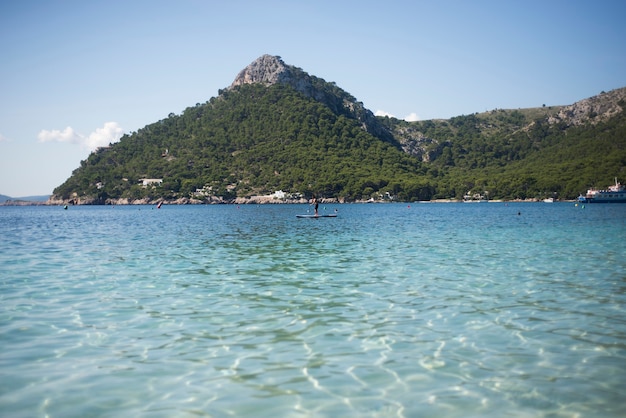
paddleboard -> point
(334, 215)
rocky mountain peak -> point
(267, 69)
(270, 69)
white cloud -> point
(102, 137)
(383, 113)
(412, 117)
(111, 132)
(3, 138)
(66, 135)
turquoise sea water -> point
(388, 310)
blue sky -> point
(78, 74)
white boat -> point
(614, 194)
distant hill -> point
(278, 128)
(556, 151)
(5, 199)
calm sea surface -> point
(388, 310)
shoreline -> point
(252, 200)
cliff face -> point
(593, 109)
(269, 70)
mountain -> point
(278, 128)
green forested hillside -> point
(256, 138)
(517, 154)
(251, 140)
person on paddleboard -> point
(316, 203)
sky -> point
(76, 74)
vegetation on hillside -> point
(256, 139)
(250, 140)
(534, 159)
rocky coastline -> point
(214, 200)
(208, 200)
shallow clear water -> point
(447, 310)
